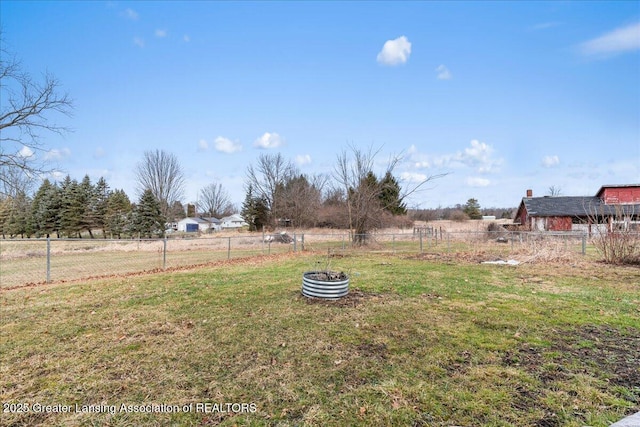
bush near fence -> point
(25, 261)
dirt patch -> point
(601, 352)
(613, 352)
(376, 351)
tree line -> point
(71, 208)
(277, 194)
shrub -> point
(458, 216)
(619, 243)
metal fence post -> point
(420, 233)
(164, 253)
(48, 260)
(295, 243)
(448, 241)
(584, 244)
(229, 249)
(302, 243)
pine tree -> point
(45, 210)
(100, 205)
(85, 198)
(472, 209)
(148, 219)
(71, 208)
(118, 208)
(390, 195)
(255, 211)
(5, 211)
(19, 219)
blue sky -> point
(502, 96)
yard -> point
(421, 339)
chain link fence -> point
(31, 261)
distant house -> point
(613, 205)
(233, 221)
(194, 225)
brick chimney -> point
(529, 193)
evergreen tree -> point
(5, 211)
(19, 218)
(100, 205)
(118, 208)
(71, 208)
(148, 219)
(176, 211)
(472, 209)
(255, 211)
(85, 198)
(390, 195)
(45, 210)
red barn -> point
(612, 204)
(619, 194)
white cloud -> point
(138, 41)
(203, 145)
(477, 182)
(479, 156)
(550, 161)
(186, 38)
(225, 145)
(57, 175)
(55, 154)
(413, 177)
(160, 33)
(268, 140)
(303, 159)
(25, 152)
(623, 39)
(395, 51)
(130, 14)
(443, 73)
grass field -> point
(420, 340)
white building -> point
(194, 225)
(233, 221)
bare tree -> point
(363, 203)
(215, 201)
(267, 179)
(554, 191)
(27, 107)
(301, 199)
(161, 173)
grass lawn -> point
(418, 341)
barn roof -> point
(575, 206)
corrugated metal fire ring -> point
(314, 284)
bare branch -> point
(25, 112)
(215, 200)
(161, 173)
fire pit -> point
(325, 284)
